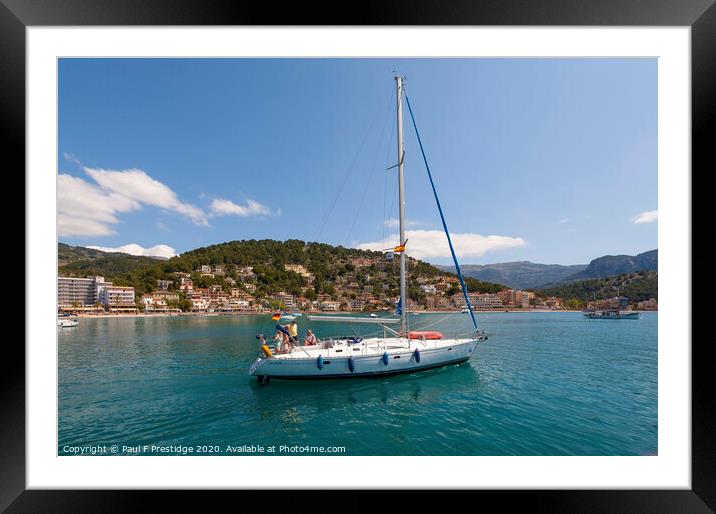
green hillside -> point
(638, 286)
(81, 261)
(330, 265)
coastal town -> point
(234, 289)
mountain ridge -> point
(518, 274)
(611, 265)
(531, 275)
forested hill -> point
(638, 286)
(329, 265)
(78, 260)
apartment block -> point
(74, 291)
(117, 298)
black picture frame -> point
(700, 15)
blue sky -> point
(547, 160)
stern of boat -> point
(256, 365)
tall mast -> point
(401, 205)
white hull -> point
(613, 315)
(368, 360)
(67, 322)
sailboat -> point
(400, 350)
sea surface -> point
(542, 384)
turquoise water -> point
(542, 384)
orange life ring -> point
(425, 335)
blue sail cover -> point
(399, 307)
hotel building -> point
(83, 292)
(117, 298)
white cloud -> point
(136, 185)
(433, 243)
(71, 157)
(221, 207)
(135, 249)
(645, 217)
(84, 209)
(90, 209)
(562, 221)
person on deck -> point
(310, 338)
(279, 343)
(293, 331)
(287, 344)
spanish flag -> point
(276, 317)
(399, 249)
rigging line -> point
(387, 175)
(372, 173)
(326, 216)
(442, 216)
(439, 321)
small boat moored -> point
(611, 314)
(66, 322)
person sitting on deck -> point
(310, 338)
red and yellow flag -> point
(399, 248)
(276, 316)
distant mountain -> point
(530, 275)
(611, 265)
(518, 275)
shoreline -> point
(250, 313)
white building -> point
(296, 268)
(330, 305)
(154, 304)
(73, 291)
(241, 305)
(199, 304)
(429, 289)
(488, 301)
(117, 298)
